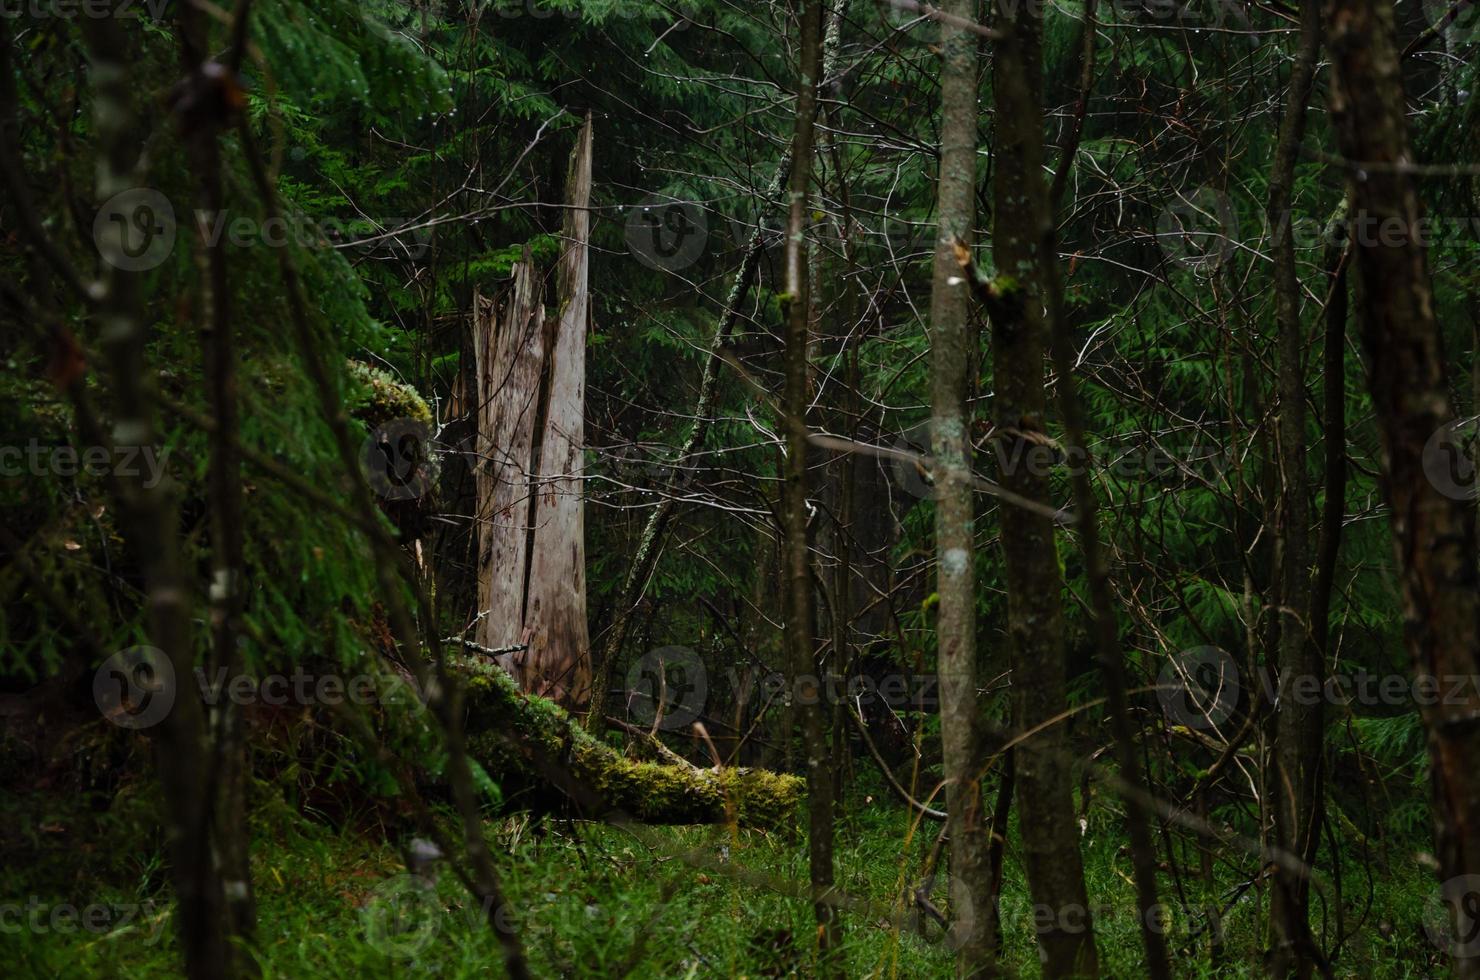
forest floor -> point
(590, 900)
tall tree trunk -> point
(801, 614)
(1434, 533)
(952, 343)
(230, 761)
(1034, 605)
(1105, 625)
(650, 545)
(1297, 741)
(1333, 510)
(1333, 429)
(150, 519)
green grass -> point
(592, 900)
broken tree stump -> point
(531, 384)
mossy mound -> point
(513, 733)
(397, 456)
(378, 399)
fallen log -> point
(524, 737)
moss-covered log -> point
(517, 735)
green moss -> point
(377, 398)
(1005, 285)
(509, 731)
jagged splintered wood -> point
(531, 383)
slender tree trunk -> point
(150, 517)
(801, 620)
(952, 345)
(862, 525)
(230, 764)
(997, 847)
(1433, 533)
(1105, 625)
(1297, 723)
(1472, 298)
(650, 545)
(1211, 908)
(1333, 427)
(1333, 510)
(1034, 606)
(845, 477)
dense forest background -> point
(1027, 482)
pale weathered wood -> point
(531, 371)
(509, 349)
(558, 662)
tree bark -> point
(150, 518)
(1298, 721)
(531, 385)
(1433, 533)
(1034, 605)
(509, 349)
(1333, 430)
(1104, 622)
(214, 83)
(952, 343)
(801, 617)
(558, 662)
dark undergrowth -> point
(85, 893)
